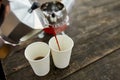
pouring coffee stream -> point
(56, 15)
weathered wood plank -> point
(83, 6)
(106, 68)
(88, 26)
(85, 54)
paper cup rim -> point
(32, 60)
(62, 50)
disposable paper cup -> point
(61, 58)
(40, 67)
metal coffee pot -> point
(56, 14)
(30, 18)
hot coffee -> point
(38, 58)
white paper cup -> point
(61, 58)
(40, 67)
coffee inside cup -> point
(39, 57)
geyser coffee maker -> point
(33, 18)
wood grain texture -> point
(85, 54)
(106, 68)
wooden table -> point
(95, 29)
